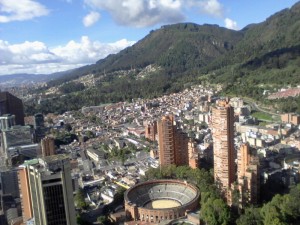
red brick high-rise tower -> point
(172, 142)
(248, 176)
(151, 130)
(193, 154)
(223, 144)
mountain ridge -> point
(261, 35)
(19, 79)
(260, 56)
(167, 39)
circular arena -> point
(158, 200)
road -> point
(256, 107)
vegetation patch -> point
(262, 116)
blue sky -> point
(45, 36)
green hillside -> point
(177, 48)
(259, 57)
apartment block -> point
(172, 142)
(248, 176)
(48, 146)
(290, 118)
(166, 140)
(223, 146)
(193, 154)
(151, 130)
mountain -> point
(259, 57)
(267, 57)
(188, 44)
(15, 80)
(178, 47)
(279, 31)
(187, 47)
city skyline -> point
(125, 158)
(60, 35)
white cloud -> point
(139, 13)
(27, 52)
(212, 7)
(91, 18)
(12, 10)
(231, 24)
(143, 13)
(87, 51)
(36, 57)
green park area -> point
(262, 116)
(266, 117)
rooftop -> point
(53, 158)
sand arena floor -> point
(162, 204)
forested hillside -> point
(263, 56)
(177, 48)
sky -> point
(46, 36)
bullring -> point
(158, 200)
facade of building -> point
(248, 176)
(151, 131)
(13, 142)
(172, 142)
(95, 155)
(290, 118)
(9, 104)
(223, 145)
(38, 120)
(48, 146)
(181, 148)
(204, 117)
(25, 195)
(39, 128)
(7, 121)
(166, 143)
(9, 183)
(193, 154)
(46, 191)
(16, 136)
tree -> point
(132, 147)
(205, 196)
(282, 209)
(168, 171)
(181, 172)
(90, 134)
(119, 196)
(101, 220)
(215, 212)
(203, 125)
(291, 204)
(71, 87)
(251, 216)
(81, 221)
(67, 127)
(272, 212)
(80, 199)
